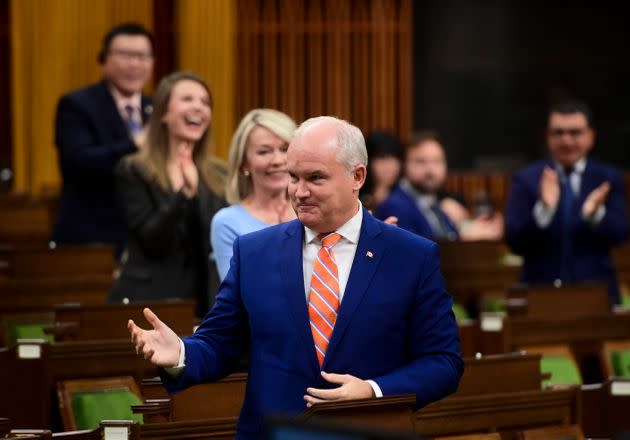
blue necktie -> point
(134, 126)
(567, 204)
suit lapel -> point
(293, 278)
(366, 259)
(588, 183)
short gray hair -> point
(350, 141)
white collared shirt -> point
(343, 251)
(135, 101)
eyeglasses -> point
(128, 55)
(573, 132)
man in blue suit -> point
(393, 331)
(95, 127)
(420, 204)
(566, 212)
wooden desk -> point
(47, 292)
(76, 322)
(30, 372)
(565, 302)
(63, 261)
(505, 412)
(606, 408)
(472, 268)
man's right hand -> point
(549, 188)
(159, 345)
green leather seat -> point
(91, 407)
(460, 312)
(563, 371)
(621, 363)
(29, 331)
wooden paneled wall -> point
(348, 58)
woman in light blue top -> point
(257, 181)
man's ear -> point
(358, 174)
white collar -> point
(578, 167)
(350, 230)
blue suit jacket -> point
(91, 137)
(541, 248)
(395, 324)
(400, 204)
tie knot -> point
(129, 109)
(329, 239)
(568, 170)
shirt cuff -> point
(179, 368)
(597, 216)
(543, 214)
(377, 390)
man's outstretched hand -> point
(159, 345)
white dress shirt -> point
(135, 101)
(343, 253)
(543, 215)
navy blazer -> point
(395, 323)
(91, 137)
(541, 248)
(402, 205)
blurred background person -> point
(385, 159)
(169, 198)
(565, 213)
(95, 127)
(257, 181)
(421, 205)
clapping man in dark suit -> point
(334, 305)
(95, 127)
(566, 212)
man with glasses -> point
(95, 127)
(566, 212)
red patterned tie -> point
(323, 300)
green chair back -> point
(621, 363)
(563, 371)
(460, 312)
(29, 331)
(91, 407)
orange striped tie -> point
(323, 300)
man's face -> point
(425, 166)
(322, 192)
(569, 137)
(128, 63)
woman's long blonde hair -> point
(239, 186)
(153, 155)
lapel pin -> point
(369, 254)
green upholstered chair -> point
(621, 363)
(84, 403)
(557, 361)
(461, 314)
(563, 371)
(615, 358)
(29, 331)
